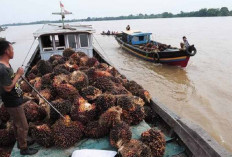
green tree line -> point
(224, 11)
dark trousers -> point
(20, 125)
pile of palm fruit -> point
(96, 101)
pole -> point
(42, 96)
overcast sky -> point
(14, 11)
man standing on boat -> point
(128, 27)
(12, 97)
(186, 43)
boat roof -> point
(136, 33)
(58, 29)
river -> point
(201, 92)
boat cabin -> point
(136, 37)
(53, 39)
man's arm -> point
(19, 73)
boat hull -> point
(174, 58)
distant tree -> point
(213, 12)
(202, 12)
(167, 15)
(231, 13)
(224, 11)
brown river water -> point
(201, 92)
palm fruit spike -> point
(60, 79)
(44, 67)
(103, 83)
(83, 111)
(94, 130)
(120, 134)
(104, 102)
(42, 134)
(34, 112)
(135, 148)
(111, 117)
(63, 106)
(4, 115)
(90, 93)
(68, 52)
(7, 137)
(66, 91)
(155, 140)
(67, 132)
(79, 80)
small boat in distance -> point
(141, 45)
(109, 33)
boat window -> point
(136, 39)
(84, 40)
(141, 38)
(72, 41)
(59, 41)
(46, 41)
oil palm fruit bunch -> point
(83, 111)
(137, 90)
(25, 87)
(120, 134)
(60, 79)
(111, 117)
(66, 91)
(150, 115)
(42, 134)
(92, 62)
(83, 60)
(79, 80)
(7, 137)
(56, 60)
(4, 115)
(33, 111)
(104, 84)
(132, 109)
(104, 102)
(47, 80)
(71, 66)
(134, 148)
(155, 140)
(68, 52)
(5, 152)
(94, 130)
(90, 93)
(67, 132)
(46, 93)
(44, 67)
(62, 105)
(60, 69)
(34, 70)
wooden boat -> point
(140, 45)
(183, 138)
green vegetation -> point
(224, 11)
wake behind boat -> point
(140, 45)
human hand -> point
(20, 71)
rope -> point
(28, 52)
(42, 97)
